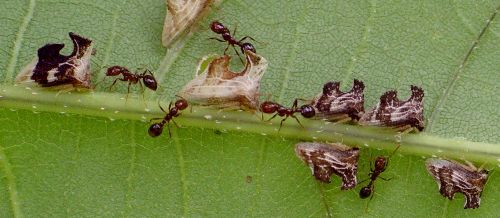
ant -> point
(381, 163)
(157, 128)
(133, 78)
(270, 107)
(219, 28)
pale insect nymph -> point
(222, 88)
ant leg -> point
(142, 91)
(114, 82)
(169, 131)
(294, 105)
(128, 92)
(276, 114)
(247, 37)
(156, 118)
(95, 85)
(373, 192)
(161, 107)
(175, 122)
(385, 178)
(297, 119)
(169, 106)
(235, 28)
(364, 180)
(147, 71)
(281, 123)
(227, 47)
(220, 40)
(236, 50)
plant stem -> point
(115, 106)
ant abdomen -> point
(307, 111)
(248, 47)
(155, 130)
(150, 82)
(365, 192)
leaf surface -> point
(60, 164)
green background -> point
(60, 164)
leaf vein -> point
(110, 43)
(456, 75)
(133, 159)
(11, 183)
(291, 59)
(361, 48)
(18, 42)
(182, 171)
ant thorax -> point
(51, 69)
(392, 112)
(332, 104)
(220, 87)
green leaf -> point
(89, 154)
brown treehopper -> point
(51, 69)
(392, 112)
(453, 177)
(327, 159)
(333, 104)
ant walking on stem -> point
(381, 163)
(270, 107)
(219, 28)
(157, 128)
(132, 78)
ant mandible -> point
(219, 28)
(381, 163)
(270, 107)
(157, 128)
(133, 78)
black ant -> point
(270, 107)
(133, 78)
(157, 128)
(381, 163)
(219, 28)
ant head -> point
(269, 107)
(218, 27)
(116, 70)
(365, 192)
(380, 163)
(150, 82)
(307, 111)
(155, 130)
(181, 104)
(248, 47)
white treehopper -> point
(220, 87)
(182, 15)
